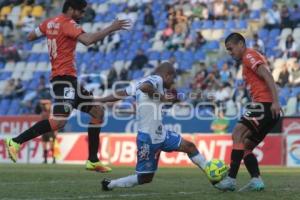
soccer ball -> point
(216, 170)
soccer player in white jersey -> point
(152, 137)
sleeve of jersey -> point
(72, 30)
(41, 30)
(130, 90)
(253, 60)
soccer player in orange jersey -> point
(62, 33)
(260, 117)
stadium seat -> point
(207, 24)
(285, 32)
(291, 107)
(207, 34)
(230, 24)
(9, 66)
(37, 11)
(242, 24)
(274, 33)
(296, 34)
(6, 10)
(217, 34)
(219, 24)
(255, 15)
(165, 55)
(256, 5)
(4, 106)
(25, 11)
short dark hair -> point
(75, 4)
(235, 38)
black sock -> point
(93, 140)
(236, 157)
(45, 155)
(36, 130)
(252, 165)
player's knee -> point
(145, 178)
(188, 146)
(97, 112)
(57, 124)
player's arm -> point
(149, 89)
(116, 96)
(264, 73)
(90, 38)
(35, 34)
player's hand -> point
(276, 110)
(120, 25)
(171, 96)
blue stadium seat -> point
(295, 91)
(263, 33)
(34, 57)
(44, 57)
(196, 25)
(14, 107)
(230, 24)
(219, 24)
(4, 106)
(274, 33)
(165, 55)
(207, 24)
(154, 55)
(242, 24)
(199, 55)
(254, 14)
(5, 75)
(137, 74)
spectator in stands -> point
(223, 94)
(149, 23)
(19, 88)
(240, 94)
(231, 9)
(220, 124)
(295, 16)
(6, 26)
(167, 32)
(28, 24)
(11, 53)
(111, 77)
(9, 88)
(133, 5)
(285, 17)
(199, 81)
(123, 75)
(176, 40)
(243, 10)
(89, 14)
(295, 74)
(171, 17)
(139, 61)
(257, 41)
(219, 9)
(199, 41)
(288, 48)
(225, 74)
(284, 75)
(197, 10)
(272, 18)
(43, 92)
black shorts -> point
(68, 94)
(47, 137)
(258, 118)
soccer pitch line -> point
(107, 196)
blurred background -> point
(187, 33)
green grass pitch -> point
(72, 182)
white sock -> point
(128, 181)
(199, 160)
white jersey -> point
(149, 110)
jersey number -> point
(52, 47)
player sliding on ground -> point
(62, 33)
(152, 137)
(261, 116)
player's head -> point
(235, 44)
(75, 8)
(168, 74)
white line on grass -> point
(104, 196)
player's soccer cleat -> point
(105, 182)
(227, 184)
(255, 184)
(97, 166)
(12, 149)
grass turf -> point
(71, 182)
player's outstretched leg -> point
(41, 127)
(126, 182)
